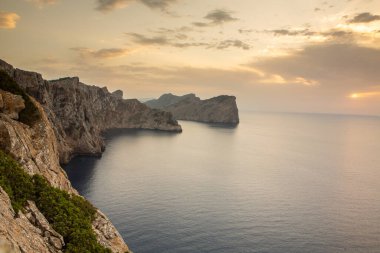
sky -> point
(274, 55)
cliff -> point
(79, 113)
(221, 109)
(30, 140)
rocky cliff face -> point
(26, 232)
(80, 113)
(221, 109)
(35, 147)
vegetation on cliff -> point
(30, 114)
(70, 215)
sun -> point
(354, 96)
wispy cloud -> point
(144, 40)
(233, 43)
(162, 5)
(216, 17)
(110, 5)
(8, 20)
(178, 42)
(364, 17)
(104, 53)
(42, 3)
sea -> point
(276, 183)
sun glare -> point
(354, 95)
(365, 94)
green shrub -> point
(17, 184)
(70, 215)
(30, 114)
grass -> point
(70, 215)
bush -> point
(70, 215)
(17, 184)
(30, 114)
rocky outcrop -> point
(27, 232)
(53, 240)
(80, 113)
(107, 235)
(11, 104)
(221, 109)
(35, 148)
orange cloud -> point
(8, 20)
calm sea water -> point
(276, 183)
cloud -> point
(104, 53)
(191, 44)
(144, 40)
(364, 17)
(337, 66)
(173, 42)
(220, 16)
(110, 5)
(216, 17)
(43, 3)
(8, 20)
(345, 35)
(233, 43)
(291, 32)
(158, 4)
(245, 31)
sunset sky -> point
(274, 55)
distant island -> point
(220, 109)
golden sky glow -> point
(273, 55)
(365, 94)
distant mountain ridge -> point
(220, 109)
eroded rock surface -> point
(11, 104)
(107, 235)
(19, 235)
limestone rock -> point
(35, 217)
(80, 113)
(19, 235)
(118, 94)
(107, 234)
(86, 111)
(11, 104)
(35, 148)
(221, 109)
